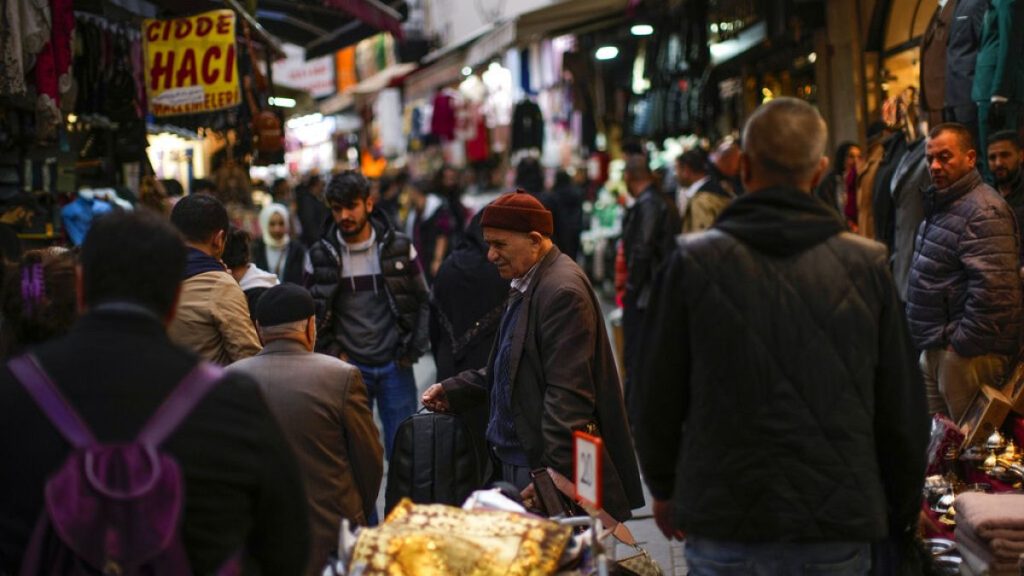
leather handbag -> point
(639, 564)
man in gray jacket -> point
(322, 405)
(964, 296)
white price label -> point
(587, 468)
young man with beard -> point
(1005, 156)
(371, 299)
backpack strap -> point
(34, 379)
(179, 403)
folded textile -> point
(982, 556)
(1005, 552)
(990, 511)
(974, 566)
(990, 534)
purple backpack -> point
(111, 509)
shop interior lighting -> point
(812, 57)
(606, 53)
(641, 30)
(282, 102)
(72, 118)
(466, 70)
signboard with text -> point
(587, 467)
(191, 63)
(315, 76)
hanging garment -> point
(24, 29)
(442, 122)
(527, 126)
(53, 70)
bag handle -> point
(34, 379)
(180, 403)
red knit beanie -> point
(518, 211)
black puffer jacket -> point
(403, 281)
(964, 288)
(779, 398)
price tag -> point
(587, 467)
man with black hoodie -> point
(779, 415)
(371, 299)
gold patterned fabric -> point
(438, 540)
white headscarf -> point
(265, 214)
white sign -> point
(587, 468)
(315, 76)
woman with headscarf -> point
(277, 251)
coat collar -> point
(283, 346)
(522, 326)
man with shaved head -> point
(778, 413)
(964, 295)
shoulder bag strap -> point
(180, 403)
(51, 401)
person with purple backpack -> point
(123, 453)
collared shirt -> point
(523, 284)
(688, 192)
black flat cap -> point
(283, 304)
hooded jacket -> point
(405, 323)
(778, 398)
(964, 288)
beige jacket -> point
(213, 319)
(702, 210)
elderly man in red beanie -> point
(551, 370)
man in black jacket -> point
(648, 238)
(371, 299)
(1005, 158)
(243, 490)
(778, 412)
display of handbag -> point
(640, 562)
(268, 134)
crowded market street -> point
(491, 287)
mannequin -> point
(998, 87)
(933, 62)
(961, 55)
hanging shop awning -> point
(567, 17)
(326, 26)
(379, 81)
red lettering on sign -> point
(183, 28)
(161, 69)
(203, 26)
(210, 73)
(229, 70)
(224, 23)
(187, 74)
(153, 31)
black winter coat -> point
(292, 264)
(403, 282)
(243, 487)
(964, 287)
(648, 238)
(779, 398)
(962, 50)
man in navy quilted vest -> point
(964, 295)
(778, 413)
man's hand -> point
(434, 399)
(663, 518)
